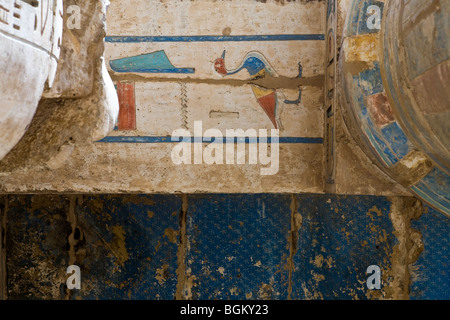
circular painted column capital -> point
(394, 69)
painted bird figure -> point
(269, 99)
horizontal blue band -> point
(168, 139)
(275, 37)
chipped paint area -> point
(162, 274)
(117, 246)
(361, 48)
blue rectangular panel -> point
(36, 247)
(130, 244)
(340, 237)
(238, 246)
(430, 274)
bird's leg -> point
(298, 101)
(279, 124)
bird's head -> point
(219, 65)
